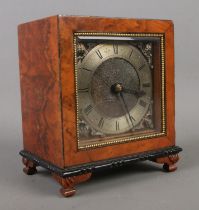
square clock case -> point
(97, 93)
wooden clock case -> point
(46, 55)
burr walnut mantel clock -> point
(96, 93)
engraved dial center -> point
(108, 80)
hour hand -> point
(138, 93)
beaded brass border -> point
(163, 88)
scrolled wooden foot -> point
(67, 192)
(168, 162)
(30, 167)
(169, 168)
(69, 183)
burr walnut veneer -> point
(48, 93)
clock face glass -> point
(118, 94)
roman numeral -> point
(142, 103)
(130, 53)
(147, 84)
(117, 125)
(83, 90)
(86, 69)
(115, 48)
(132, 118)
(99, 54)
(88, 109)
(141, 67)
(101, 123)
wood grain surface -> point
(69, 25)
(40, 89)
(47, 76)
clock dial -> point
(114, 89)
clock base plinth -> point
(69, 183)
(30, 167)
(69, 177)
(168, 162)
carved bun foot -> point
(169, 162)
(69, 183)
(30, 167)
(169, 168)
(29, 171)
(67, 192)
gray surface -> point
(144, 186)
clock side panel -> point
(68, 26)
(40, 89)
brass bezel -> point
(163, 88)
